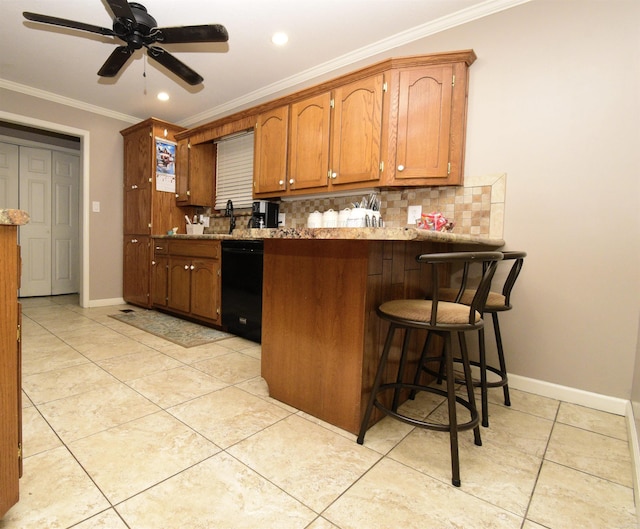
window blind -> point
(234, 171)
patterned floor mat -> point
(176, 330)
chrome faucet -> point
(228, 212)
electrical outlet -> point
(281, 219)
(413, 214)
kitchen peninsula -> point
(321, 337)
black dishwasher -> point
(242, 288)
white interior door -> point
(8, 176)
(64, 223)
(35, 237)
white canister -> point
(314, 220)
(330, 219)
(343, 217)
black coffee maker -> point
(264, 214)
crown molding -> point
(463, 16)
(55, 98)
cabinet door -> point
(270, 158)
(138, 157)
(182, 171)
(159, 280)
(424, 122)
(179, 285)
(195, 181)
(205, 291)
(136, 279)
(137, 209)
(309, 143)
(356, 131)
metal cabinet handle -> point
(153, 263)
(192, 267)
(134, 241)
(401, 168)
(134, 186)
(291, 181)
(334, 175)
(186, 267)
(281, 182)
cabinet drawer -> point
(160, 247)
(191, 248)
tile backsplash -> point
(477, 208)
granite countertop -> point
(373, 234)
(13, 217)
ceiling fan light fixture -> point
(280, 38)
(163, 96)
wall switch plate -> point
(95, 207)
(414, 214)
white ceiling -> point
(62, 64)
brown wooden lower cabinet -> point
(321, 337)
(136, 277)
(186, 278)
(10, 370)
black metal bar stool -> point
(497, 301)
(439, 318)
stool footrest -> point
(472, 423)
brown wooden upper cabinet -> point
(331, 140)
(195, 173)
(270, 151)
(400, 122)
(427, 123)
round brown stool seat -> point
(438, 318)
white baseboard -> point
(567, 394)
(634, 448)
(105, 302)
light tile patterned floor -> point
(125, 430)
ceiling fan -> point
(137, 28)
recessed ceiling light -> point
(279, 39)
(163, 96)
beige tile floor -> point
(125, 430)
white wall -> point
(555, 103)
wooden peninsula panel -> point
(321, 336)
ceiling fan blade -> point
(115, 62)
(121, 9)
(177, 67)
(184, 34)
(55, 21)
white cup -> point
(356, 218)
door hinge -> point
(384, 86)
(453, 81)
(381, 166)
(19, 451)
(332, 103)
(188, 145)
(19, 336)
(449, 168)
